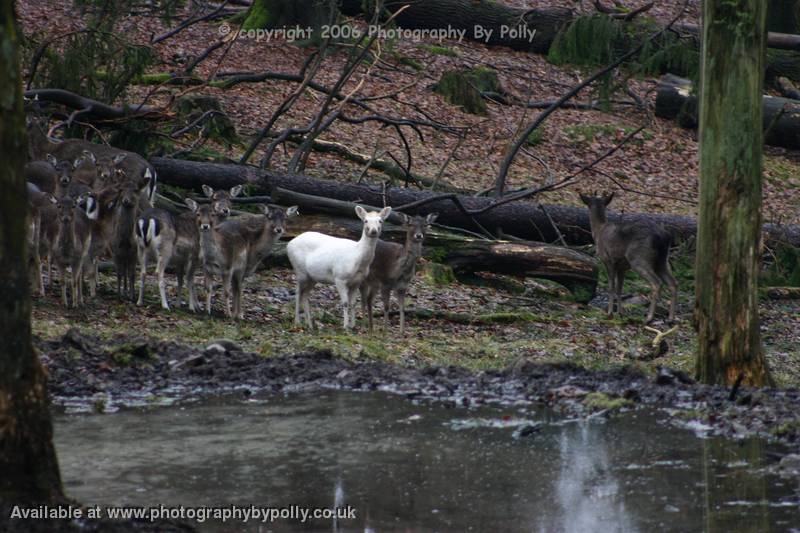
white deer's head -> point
(373, 222)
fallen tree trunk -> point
(526, 220)
(466, 255)
(674, 100)
(492, 23)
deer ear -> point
(208, 191)
(431, 218)
(52, 159)
(52, 198)
(236, 191)
(405, 218)
(78, 162)
(191, 204)
(585, 199)
(385, 212)
(292, 211)
(119, 159)
(264, 209)
(362, 214)
(89, 155)
(607, 198)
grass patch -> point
(587, 133)
(438, 50)
(599, 401)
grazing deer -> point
(393, 268)
(641, 246)
(319, 258)
(71, 244)
(221, 200)
(173, 241)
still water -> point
(425, 467)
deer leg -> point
(306, 291)
(612, 282)
(386, 296)
(193, 303)
(341, 287)
(142, 275)
(209, 283)
(63, 273)
(161, 266)
(620, 284)
(667, 277)
(94, 278)
(179, 272)
(227, 280)
(297, 291)
(366, 304)
(655, 284)
(401, 299)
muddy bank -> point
(88, 373)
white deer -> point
(318, 258)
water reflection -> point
(408, 467)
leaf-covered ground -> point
(658, 169)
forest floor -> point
(471, 326)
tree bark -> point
(28, 466)
(728, 257)
(526, 220)
(780, 122)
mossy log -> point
(526, 220)
(466, 87)
(781, 116)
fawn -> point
(393, 268)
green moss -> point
(597, 40)
(784, 268)
(438, 50)
(465, 88)
(792, 427)
(438, 274)
(599, 401)
(536, 137)
(587, 133)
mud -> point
(88, 373)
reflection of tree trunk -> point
(738, 484)
(28, 466)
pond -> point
(424, 466)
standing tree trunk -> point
(28, 465)
(729, 224)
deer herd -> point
(88, 201)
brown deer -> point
(172, 241)
(393, 268)
(221, 201)
(71, 246)
(641, 246)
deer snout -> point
(64, 180)
(278, 231)
(205, 226)
(372, 232)
(418, 236)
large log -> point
(573, 269)
(526, 220)
(781, 116)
